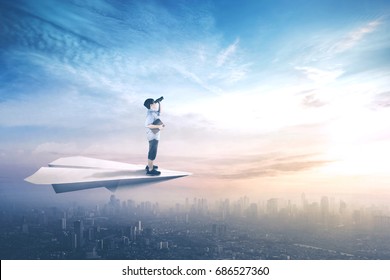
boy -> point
(153, 126)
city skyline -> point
(197, 229)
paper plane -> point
(80, 173)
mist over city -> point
(202, 228)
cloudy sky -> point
(264, 98)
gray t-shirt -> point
(150, 118)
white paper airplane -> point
(80, 173)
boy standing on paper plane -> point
(153, 126)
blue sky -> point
(283, 94)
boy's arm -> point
(153, 126)
(150, 120)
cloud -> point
(56, 148)
(224, 55)
(115, 52)
(263, 165)
(28, 30)
(203, 83)
(353, 38)
(331, 49)
(312, 101)
(320, 76)
(381, 100)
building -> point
(78, 235)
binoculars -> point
(158, 100)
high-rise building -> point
(25, 228)
(225, 208)
(43, 219)
(202, 206)
(218, 230)
(74, 241)
(342, 208)
(79, 233)
(63, 223)
(252, 211)
(187, 218)
(91, 233)
(272, 206)
(187, 205)
(324, 206)
(130, 204)
(133, 233)
(163, 245)
(114, 206)
(97, 210)
(125, 240)
(304, 202)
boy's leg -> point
(153, 145)
(150, 164)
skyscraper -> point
(324, 205)
(304, 202)
(78, 233)
(252, 211)
(272, 206)
(324, 210)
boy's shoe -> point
(154, 172)
(154, 167)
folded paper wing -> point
(80, 173)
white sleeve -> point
(149, 120)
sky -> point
(263, 98)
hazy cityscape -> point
(198, 228)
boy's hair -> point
(148, 102)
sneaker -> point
(154, 172)
(154, 167)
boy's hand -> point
(161, 126)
